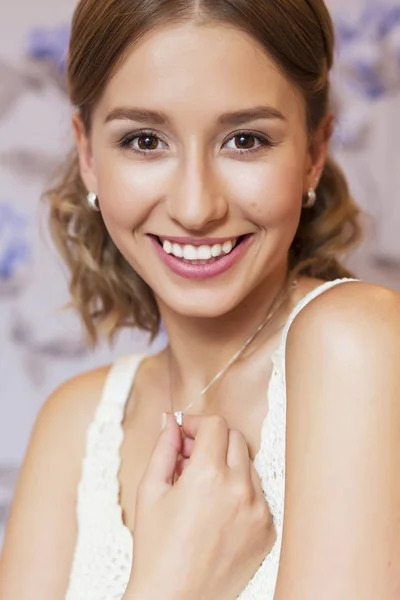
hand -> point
(204, 534)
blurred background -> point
(40, 345)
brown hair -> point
(299, 37)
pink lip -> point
(197, 241)
(205, 271)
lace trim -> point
(103, 555)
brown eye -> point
(245, 142)
(144, 143)
(147, 142)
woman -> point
(202, 194)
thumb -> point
(162, 465)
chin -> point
(202, 305)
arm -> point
(41, 532)
(341, 536)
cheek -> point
(270, 192)
(129, 190)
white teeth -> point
(204, 253)
(216, 250)
(227, 247)
(189, 253)
(167, 247)
(177, 250)
(197, 253)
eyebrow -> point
(229, 118)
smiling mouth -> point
(200, 255)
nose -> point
(197, 201)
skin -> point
(342, 468)
(201, 184)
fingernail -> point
(163, 421)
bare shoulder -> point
(76, 398)
(65, 416)
(347, 310)
(45, 499)
(342, 489)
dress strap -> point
(104, 437)
(120, 379)
(101, 530)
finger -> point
(237, 455)
(187, 447)
(162, 464)
(210, 434)
(191, 424)
(257, 483)
(181, 465)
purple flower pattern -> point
(14, 247)
(49, 45)
(369, 49)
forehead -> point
(203, 70)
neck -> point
(199, 347)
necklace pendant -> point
(179, 417)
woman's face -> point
(199, 140)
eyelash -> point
(126, 142)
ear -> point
(86, 160)
(318, 153)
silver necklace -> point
(179, 413)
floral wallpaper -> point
(368, 62)
(41, 344)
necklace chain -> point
(275, 307)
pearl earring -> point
(311, 199)
(92, 201)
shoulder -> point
(44, 502)
(342, 354)
(342, 447)
(350, 311)
(72, 405)
(57, 441)
(61, 424)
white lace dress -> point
(104, 549)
